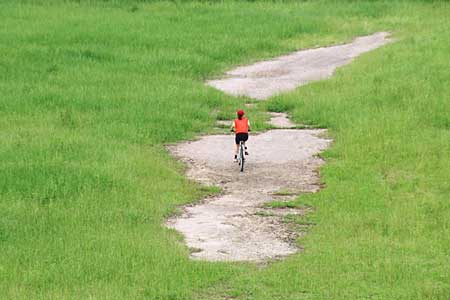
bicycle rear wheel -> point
(241, 156)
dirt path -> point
(280, 120)
(236, 225)
(267, 78)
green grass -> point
(90, 93)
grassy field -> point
(90, 92)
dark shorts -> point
(241, 137)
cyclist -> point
(241, 126)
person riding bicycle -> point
(241, 126)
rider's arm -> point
(232, 127)
(249, 128)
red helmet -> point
(240, 113)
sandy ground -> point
(267, 78)
(235, 225)
(280, 120)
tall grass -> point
(91, 91)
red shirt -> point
(241, 126)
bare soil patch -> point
(280, 120)
(267, 78)
(224, 123)
(236, 226)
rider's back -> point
(241, 125)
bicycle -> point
(241, 155)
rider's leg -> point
(236, 148)
(245, 147)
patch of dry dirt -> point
(224, 123)
(280, 120)
(235, 226)
(267, 78)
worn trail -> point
(235, 225)
(267, 78)
(283, 163)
